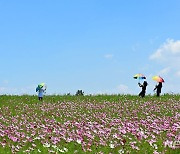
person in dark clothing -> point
(158, 89)
(143, 91)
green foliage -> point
(79, 93)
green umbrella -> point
(41, 85)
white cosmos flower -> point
(47, 145)
(65, 149)
(37, 138)
(155, 146)
(39, 151)
(111, 146)
(54, 146)
(121, 151)
(78, 141)
(115, 135)
(62, 151)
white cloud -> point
(170, 49)
(109, 56)
(178, 73)
(17, 91)
(164, 71)
(2, 89)
(120, 89)
(168, 55)
(123, 89)
(8, 90)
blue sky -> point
(93, 45)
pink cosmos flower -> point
(155, 152)
(13, 138)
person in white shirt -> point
(41, 92)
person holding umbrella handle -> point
(158, 87)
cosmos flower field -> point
(90, 124)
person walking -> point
(158, 89)
(40, 94)
(143, 86)
(41, 90)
